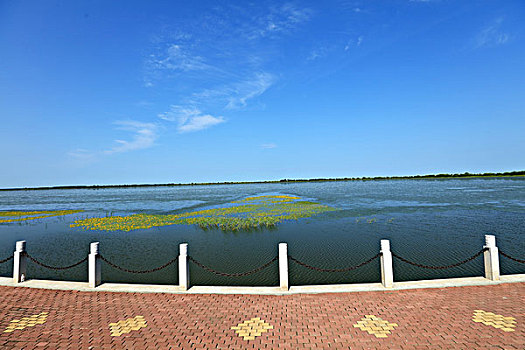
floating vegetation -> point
(248, 213)
(371, 220)
(14, 216)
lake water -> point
(433, 222)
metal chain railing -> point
(440, 267)
(209, 269)
(137, 271)
(511, 258)
(57, 268)
(6, 260)
(335, 270)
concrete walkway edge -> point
(256, 290)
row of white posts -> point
(491, 260)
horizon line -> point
(363, 178)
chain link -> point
(232, 274)
(137, 271)
(440, 267)
(6, 260)
(511, 258)
(55, 267)
(335, 270)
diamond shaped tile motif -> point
(127, 325)
(375, 325)
(252, 328)
(506, 324)
(25, 322)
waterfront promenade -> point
(473, 317)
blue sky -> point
(113, 92)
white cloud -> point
(177, 57)
(190, 119)
(243, 91)
(492, 35)
(178, 113)
(82, 155)
(315, 54)
(279, 20)
(268, 145)
(144, 136)
(236, 94)
(200, 122)
(356, 42)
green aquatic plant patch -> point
(249, 213)
(14, 216)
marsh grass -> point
(371, 220)
(246, 214)
(21, 216)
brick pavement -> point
(446, 318)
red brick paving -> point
(427, 319)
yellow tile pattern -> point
(126, 326)
(375, 325)
(506, 324)
(252, 328)
(24, 322)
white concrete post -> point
(20, 262)
(184, 268)
(387, 271)
(94, 266)
(283, 266)
(491, 258)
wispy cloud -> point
(82, 155)
(200, 122)
(248, 89)
(281, 19)
(350, 5)
(317, 53)
(268, 145)
(354, 42)
(236, 94)
(144, 136)
(216, 62)
(172, 59)
(190, 119)
(177, 57)
(492, 35)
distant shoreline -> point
(414, 177)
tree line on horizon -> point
(435, 176)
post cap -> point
(94, 247)
(20, 246)
(490, 241)
(385, 245)
(183, 249)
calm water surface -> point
(434, 222)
